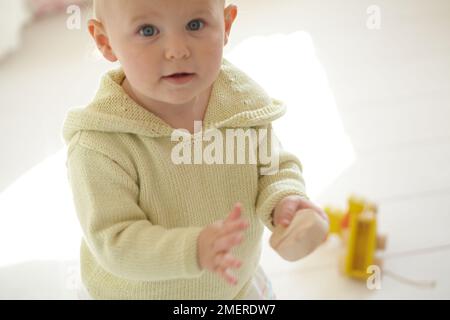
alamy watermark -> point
(374, 17)
(374, 280)
(227, 146)
(73, 22)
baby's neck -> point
(176, 116)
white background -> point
(368, 113)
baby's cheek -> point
(213, 43)
(212, 57)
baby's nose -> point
(176, 48)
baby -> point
(155, 227)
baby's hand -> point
(216, 241)
(286, 209)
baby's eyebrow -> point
(156, 14)
(144, 16)
(203, 12)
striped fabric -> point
(261, 288)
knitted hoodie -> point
(141, 214)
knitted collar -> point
(236, 101)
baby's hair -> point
(95, 4)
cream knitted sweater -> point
(141, 214)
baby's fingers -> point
(226, 274)
(234, 226)
(225, 243)
(235, 213)
(226, 261)
(233, 216)
(284, 219)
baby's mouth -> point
(179, 75)
(179, 78)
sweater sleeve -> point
(283, 177)
(117, 231)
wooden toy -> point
(358, 228)
(303, 235)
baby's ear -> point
(98, 33)
(230, 14)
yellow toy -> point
(358, 229)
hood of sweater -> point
(236, 101)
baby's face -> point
(154, 39)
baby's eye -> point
(148, 31)
(195, 25)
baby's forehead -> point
(108, 7)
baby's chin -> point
(178, 98)
(182, 96)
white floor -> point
(390, 140)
